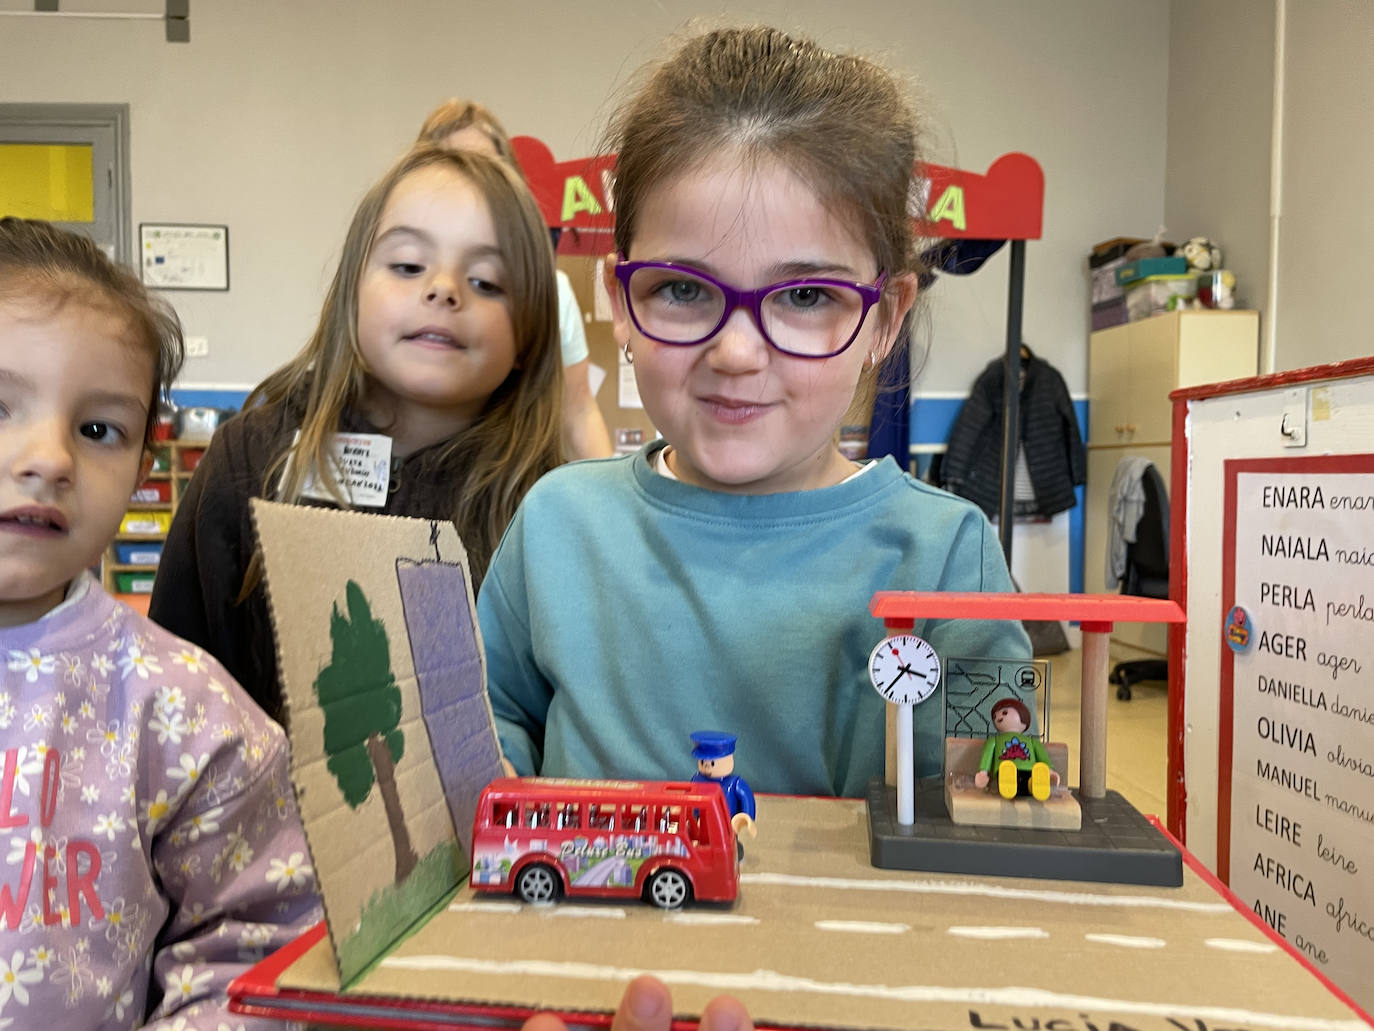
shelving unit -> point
(127, 568)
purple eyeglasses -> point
(804, 318)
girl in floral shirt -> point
(150, 840)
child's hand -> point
(647, 1006)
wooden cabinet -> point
(1131, 370)
(132, 558)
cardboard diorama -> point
(393, 740)
(391, 731)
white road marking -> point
(993, 933)
(486, 907)
(1127, 941)
(588, 912)
(719, 919)
(771, 980)
(1068, 898)
(861, 927)
(1239, 945)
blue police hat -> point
(712, 744)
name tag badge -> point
(362, 464)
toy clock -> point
(906, 671)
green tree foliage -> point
(359, 696)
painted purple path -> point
(443, 648)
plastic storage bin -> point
(1158, 294)
(138, 553)
(136, 521)
(152, 492)
(134, 583)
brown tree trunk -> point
(386, 783)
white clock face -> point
(905, 669)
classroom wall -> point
(1220, 111)
(1325, 261)
(275, 118)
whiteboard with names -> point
(1295, 820)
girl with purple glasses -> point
(720, 577)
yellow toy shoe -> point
(1040, 782)
(1006, 779)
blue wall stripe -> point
(931, 420)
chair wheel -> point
(1124, 692)
(1114, 677)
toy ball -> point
(1201, 253)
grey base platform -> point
(1116, 845)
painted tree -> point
(362, 713)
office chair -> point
(1147, 575)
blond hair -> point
(38, 257)
(515, 439)
(455, 115)
(843, 123)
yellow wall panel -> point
(52, 181)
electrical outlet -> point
(197, 347)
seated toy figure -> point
(1020, 759)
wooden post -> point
(1092, 733)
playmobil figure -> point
(662, 841)
(1022, 764)
(714, 752)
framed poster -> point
(181, 256)
(1295, 820)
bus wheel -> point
(537, 883)
(668, 889)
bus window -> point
(504, 814)
(600, 817)
(537, 815)
(698, 830)
(569, 816)
(634, 817)
(669, 818)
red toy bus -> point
(667, 842)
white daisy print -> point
(293, 873)
(39, 715)
(169, 726)
(106, 735)
(135, 662)
(193, 659)
(68, 724)
(170, 699)
(27, 763)
(220, 690)
(90, 793)
(31, 663)
(40, 956)
(108, 824)
(186, 983)
(189, 769)
(72, 668)
(102, 986)
(101, 664)
(156, 811)
(14, 979)
(86, 711)
(20, 846)
(202, 823)
(122, 1003)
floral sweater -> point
(152, 848)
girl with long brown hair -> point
(438, 341)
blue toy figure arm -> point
(520, 696)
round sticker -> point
(1239, 630)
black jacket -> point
(212, 541)
(972, 465)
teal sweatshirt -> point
(624, 610)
